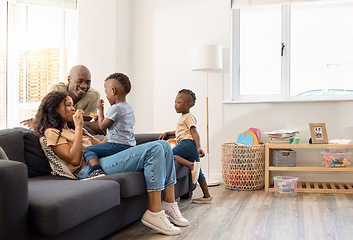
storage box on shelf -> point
(283, 158)
(309, 187)
(340, 158)
(285, 186)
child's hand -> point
(201, 152)
(100, 105)
(162, 136)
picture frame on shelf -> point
(318, 133)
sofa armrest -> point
(148, 137)
(13, 200)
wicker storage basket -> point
(243, 167)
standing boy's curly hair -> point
(191, 93)
(122, 79)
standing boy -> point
(188, 150)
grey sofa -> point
(36, 205)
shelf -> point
(311, 169)
(322, 187)
(308, 146)
(308, 187)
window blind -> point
(67, 4)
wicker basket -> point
(243, 167)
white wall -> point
(104, 38)
(157, 59)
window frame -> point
(284, 96)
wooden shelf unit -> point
(308, 187)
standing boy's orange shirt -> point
(182, 131)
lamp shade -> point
(206, 57)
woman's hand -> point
(78, 118)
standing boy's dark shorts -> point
(187, 150)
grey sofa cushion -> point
(131, 183)
(11, 141)
(181, 171)
(36, 161)
(57, 204)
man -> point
(84, 97)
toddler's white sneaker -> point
(159, 222)
(174, 214)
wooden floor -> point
(258, 215)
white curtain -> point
(249, 3)
(68, 4)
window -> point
(295, 51)
(41, 46)
(3, 64)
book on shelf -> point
(279, 140)
(281, 135)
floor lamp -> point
(207, 58)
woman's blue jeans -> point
(187, 150)
(103, 150)
(154, 159)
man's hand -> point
(28, 123)
(94, 116)
(94, 126)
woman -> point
(155, 159)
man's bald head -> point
(79, 82)
(79, 68)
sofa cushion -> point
(131, 183)
(36, 161)
(181, 171)
(11, 141)
(57, 203)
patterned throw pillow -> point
(58, 166)
(3, 155)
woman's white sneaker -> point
(174, 214)
(159, 222)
